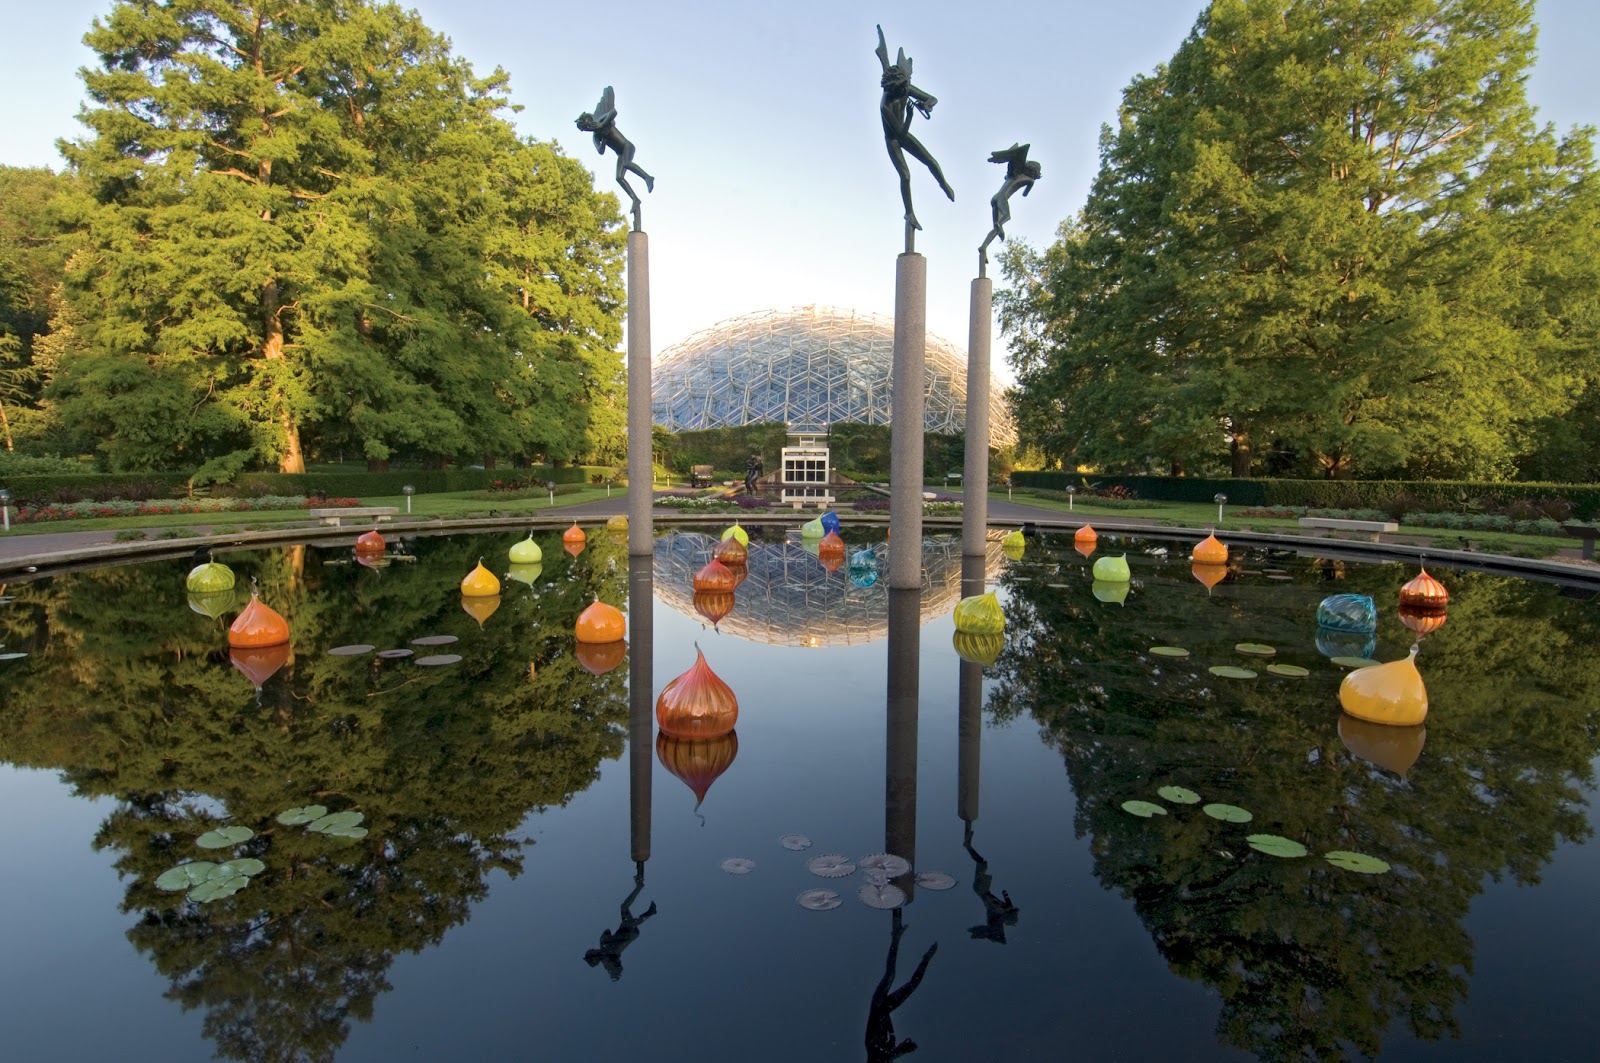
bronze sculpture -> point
(895, 108)
(1020, 174)
(602, 122)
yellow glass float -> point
(526, 552)
(213, 603)
(210, 577)
(1395, 749)
(979, 649)
(1112, 570)
(980, 615)
(617, 523)
(736, 532)
(813, 529)
(480, 582)
(1391, 694)
(528, 574)
(1209, 551)
(1112, 592)
(1013, 545)
(480, 606)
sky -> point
(759, 122)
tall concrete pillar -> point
(641, 703)
(900, 758)
(906, 419)
(969, 713)
(641, 532)
(975, 471)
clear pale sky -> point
(759, 121)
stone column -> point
(906, 421)
(969, 716)
(641, 702)
(641, 531)
(975, 471)
(900, 757)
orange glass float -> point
(699, 763)
(1395, 749)
(740, 574)
(259, 663)
(259, 625)
(1209, 551)
(1085, 534)
(1210, 575)
(574, 534)
(598, 658)
(1424, 592)
(831, 562)
(731, 551)
(370, 543)
(697, 704)
(1422, 621)
(601, 623)
(713, 605)
(831, 544)
(715, 576)
(480, 606)
(573, 548)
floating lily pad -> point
(935, 880)
(1357, 862)
(346, 832)
(1227, 813)
(888, 863)
(795, 842)
(875, 877)
(435, 640)
(216, 888)
(1169, 651)
(437, 659)
(351, 651)
(818, 900)
(1354, 662)
(294, 817)
(1280, 576)
(1143, 809)
(884, 897)
(1178, 795)
(1288, 671)
(1274, 845)
(1228, 671)
(393, 655)
(1256, 649)
(185, 876)
(12, 656)
(833, 865)
(738, 865)
(223, 837)
(336, 821)
(248, 865)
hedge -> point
(1435, 495)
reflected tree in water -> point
(130, 695)
(1308, 960)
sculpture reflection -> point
(612, 942)
(881, 1043)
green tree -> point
(33, 254)
(1327, 227)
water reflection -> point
(882, 1045)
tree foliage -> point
(1327, 235)
(311, 226)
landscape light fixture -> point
(1070, 492)
(5, 507)
(408, 491)
(1220, 499)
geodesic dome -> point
(810, 365)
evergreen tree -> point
(1325, 226)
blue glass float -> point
(830, 522)
(863, 568)
(1348, 612)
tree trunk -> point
(1175, 468)
(1240, 451)
(488, 461)
(377, 464)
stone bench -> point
(1586, 532)
(1376, 527)
(800, 501)
(333, 516)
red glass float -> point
(601, 623)
(715, 576)
(1424, 592)
(370, 543)
(598, 658)
(697, 704)
(1422, 621)
(731, 551)
(259, 663)
(699, 763)
(259, 625)
(740, 574)
(713, 605)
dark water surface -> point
(536, 885)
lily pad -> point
(215, 889)
(1169, 651)
(346, 832)
(393, 655)
(831, 865)
(437, 659)
(1256, 649)
(1179, 795)
(248, 865)
(795, 842)
(738, 865)
(12, 656)
(1143, 809)
(888, 863)
(336, 821)
(1357, 862)
(1228, 671)
(818, 900)
(884, 897)
(1274, 845)
(1355, 662)
(351, 651)
(223, 837)
(185, 876)
(935, 880)
(1288, 671)
(435, 640)
(1227, 813)
(294, 817)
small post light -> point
(408, 491)
(550, 485)
(1220, 500)
(1070, 492)
(1008, 488)
(5, 506)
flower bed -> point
(124, 508)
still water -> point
(540, 881)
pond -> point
(529, 870)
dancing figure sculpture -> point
(900, 99)
(602, 122)
(1020, 174)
